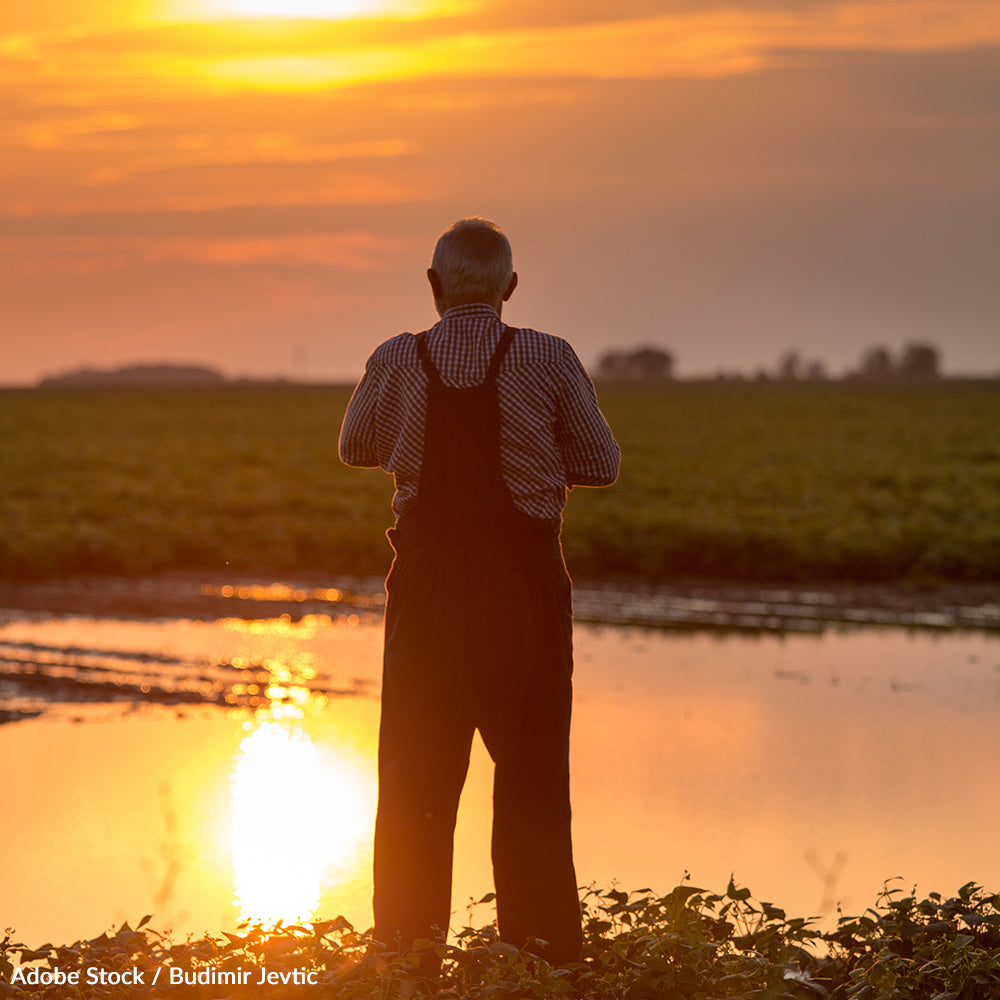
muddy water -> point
(209, 772)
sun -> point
(320, 9)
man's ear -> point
(510, 287)
(436, 287)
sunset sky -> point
(201, 181)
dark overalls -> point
(478, 634)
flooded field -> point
(218, 770)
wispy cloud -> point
(695, 41)
(88, 129)
(694, 44)
(272, 148)
(349, 252)
(355, 189)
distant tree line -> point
(916, 361)
(141, 375)
(145, 375)
(650, 365)
(644, 365)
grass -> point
(799, 483)
(690, 944)
(853, 482)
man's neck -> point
(448, 302)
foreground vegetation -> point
(688, 945)
(785, 483)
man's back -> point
(552, 434)
(478, 621)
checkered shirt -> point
(552, 433)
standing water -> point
(218, 771)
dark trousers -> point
(478, 634)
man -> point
(484, 427)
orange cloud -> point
(41, 132)
(692, 44)
(290, 54)
(199, 151)
(350, 252)
(358, 189)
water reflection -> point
(812, 767)
(297, 813)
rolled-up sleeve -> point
(590, 453)
(357, 445)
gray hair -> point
(473, 257)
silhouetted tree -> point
(919, 361)
(644, 364)
(876, 363)
(790, 365)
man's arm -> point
(357, 434)
(590, 453)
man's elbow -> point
(604, 477)
(598, 469)
(608, 480)
(608, 470)
(356, 458)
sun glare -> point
(321, 9)
(297, 814)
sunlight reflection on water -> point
(296, 813)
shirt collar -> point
(471, 309)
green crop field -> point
(771, 483)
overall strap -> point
(498, 355)
(429, 370)
(491, 373)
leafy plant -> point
(929, 949)
(690, 944)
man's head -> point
(472, 263)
